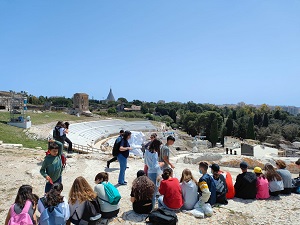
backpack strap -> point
(75, 212)
(104, 200)
(26, 207)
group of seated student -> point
(184, 194)
(70, 210)
(261, 185)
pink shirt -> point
(262, 186)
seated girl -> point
(142, 194)
(54, 198)
(24, 202)
(80, 192)
(107, 210)
(170, 190)
(262, 184)
(189, 189)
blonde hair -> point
(81, 191)
(187, 176)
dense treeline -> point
(208, 120)
(215, 122)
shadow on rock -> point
(134, 217)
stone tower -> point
(110, 97)
(81, 102)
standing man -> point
(245, 184)
(115, 153)
(164, 155)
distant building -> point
(291, 109)
(133, 108)
(110, 97)
(81, 104)
(161, 102)
(5, 100)
(258, 150)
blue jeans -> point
(49, 186)
(152, 177)
(123, 164)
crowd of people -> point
(154, 184)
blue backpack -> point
(112, 193)
(52, 215)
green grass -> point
(15, 135)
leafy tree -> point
(122, 100)
(112, 110)
(137, 102)
(290, 132)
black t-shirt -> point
(245, 185)
(142, 207)
(125, 144)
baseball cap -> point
(215, 167)
(257, 170)
(243, 165)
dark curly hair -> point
(53, 197)
(143, 188)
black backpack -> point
(161, 216)
(56, 133)
(116, 148)
(91, 213)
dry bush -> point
(236, 163)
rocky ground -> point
(21, 166)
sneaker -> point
(123, 183)
(107, 164)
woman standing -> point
(123, 155)
(151, 160)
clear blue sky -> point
(204, 51)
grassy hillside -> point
(15, 135)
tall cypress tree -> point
(250, 129)
(214, 132)
(229, 127)
(265, 120)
